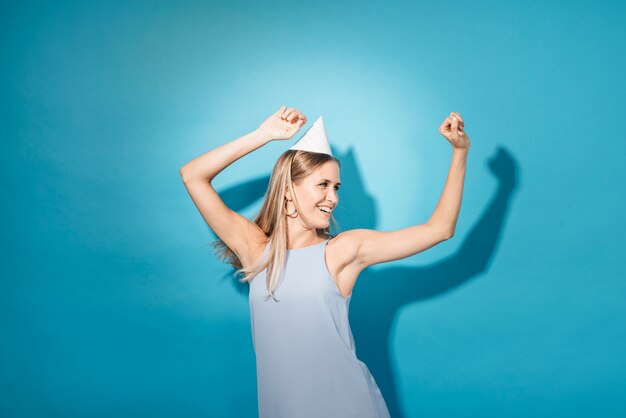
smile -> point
(325, 210)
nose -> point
(332, 196)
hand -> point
(284, 123)
(452, 130)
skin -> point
(349, 252)
(312, 192)
(283, 125)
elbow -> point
(187, 176)
(183, 174)
(448, 234)
(444, 231)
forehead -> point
(329, 170)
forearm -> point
(210, 164)
(447, 211)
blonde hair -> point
(291, 168)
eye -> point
(326, 184)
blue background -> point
(112, 304)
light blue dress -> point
(305, 355)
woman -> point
(304, 276)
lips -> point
(326, 213)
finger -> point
(294, 118)
(461, 123)
(459, 117)
(287, 112)
(280, 111)
(290, 115)
(455, 123)
(299, 117)
(452, 118)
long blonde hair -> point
(291, 168)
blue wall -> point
(112, 305)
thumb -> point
(455, 123)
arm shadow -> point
(394, 288)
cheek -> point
(314, 196)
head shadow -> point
(395, 288)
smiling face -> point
(319, 189)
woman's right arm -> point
(282, 124)
(240, 235)
(208, 165)
(237, 232)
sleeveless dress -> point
(305, 355)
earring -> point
(294, 209)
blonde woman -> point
(301, 277)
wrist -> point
(262, 135)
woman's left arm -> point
(372, 247)
(447, 211)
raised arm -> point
(237, 232)
(373, 247)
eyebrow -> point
(330, 181)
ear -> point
(287, 194)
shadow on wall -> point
(396, 288)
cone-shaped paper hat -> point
(314, 139)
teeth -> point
(324, 209)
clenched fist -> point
(283, 124)
(452, 130)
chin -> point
(321, 224)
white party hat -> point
(314, 139)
